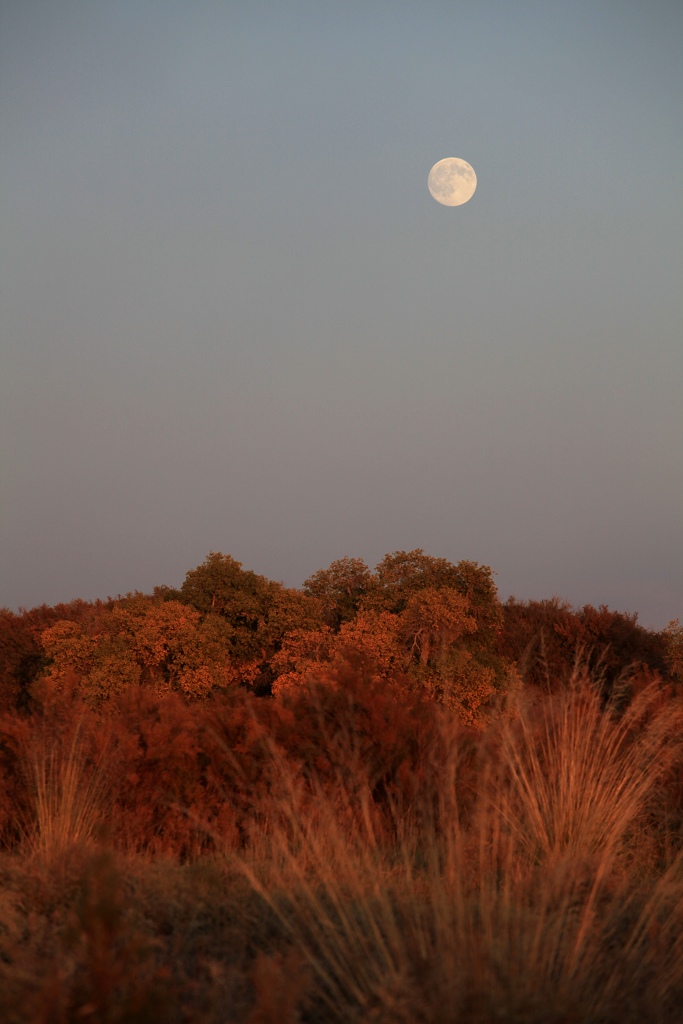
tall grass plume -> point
(68, 790)
(538, 905)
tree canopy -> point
(423, 623)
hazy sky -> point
(234, 319)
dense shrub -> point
(545, 639)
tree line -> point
(421, 622)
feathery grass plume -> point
(537, 907)
(580, 773)
(68, 789)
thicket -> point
(385, 798)
(439, 627)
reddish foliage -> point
(180, 776)
(190, 759)
(545, 638)
(22, 657)
(184, 776)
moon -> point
(452, 181)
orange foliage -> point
(433, 620)
(179, 777)
(420, 647)
(166, 646)
(156, 689)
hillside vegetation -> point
(386, 797)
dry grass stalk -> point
(68, 791)
(535, 910)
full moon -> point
(452, 181)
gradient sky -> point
(233, 319)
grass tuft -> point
(68, 793)
(530, 911)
